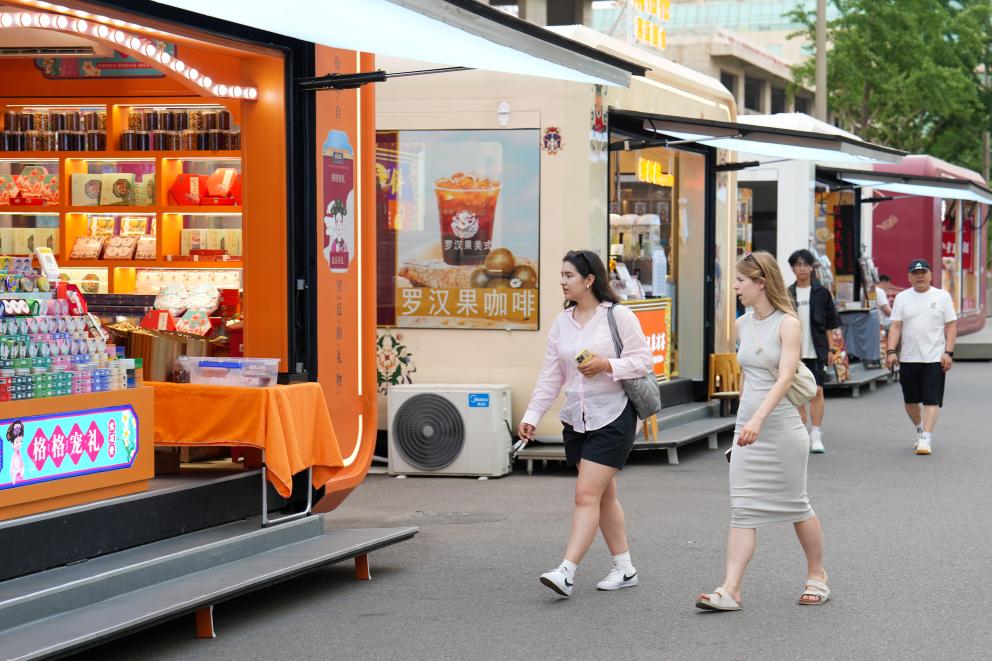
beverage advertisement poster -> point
(52, 447)
(655, 316)
(458, 228)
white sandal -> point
(718, 600)
(815, 588)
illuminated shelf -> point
(149, 263)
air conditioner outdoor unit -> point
(448, 429)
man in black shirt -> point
(819, 317)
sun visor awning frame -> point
(766, 141)
(453, 34)
(918, 185)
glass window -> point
(802, 104)
(729, 81)
(778, 100)
(752, 93)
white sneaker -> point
(558, 580)
(816, 442)
(923, 445)
(919, 434)
(618, 578)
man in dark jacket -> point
(819, 317)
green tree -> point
(908, 73)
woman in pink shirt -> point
(599, 421)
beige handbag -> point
(803, 387)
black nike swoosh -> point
(568, 583)
(627, 578)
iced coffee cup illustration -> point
(466, 206)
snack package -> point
(50, 188)
(31, 179)
(102, 226)
(192, 240)
(120, 247)
(136, 225)
(8, 189)
(117, 189)
(146, 248)
(87, 247)
(86, 189)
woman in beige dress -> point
(771, 444)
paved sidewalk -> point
(908, 540)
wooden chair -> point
(725, 381)
(651, 429)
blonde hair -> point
(760, 266)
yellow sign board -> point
(652, 172)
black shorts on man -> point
(609, 445)
(818, 368)
(922, 383)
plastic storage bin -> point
(251, 372)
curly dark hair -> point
(11, 435)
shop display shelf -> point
(111, 210)
(202, 210)
(27, 296)
(151, 263)
(32, 210)
(110, 155)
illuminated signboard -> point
(50, 447)
(652, 172)
(646, 22)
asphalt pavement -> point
(908, 549)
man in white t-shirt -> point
(924, 319)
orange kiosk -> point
(190, 106)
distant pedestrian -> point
(771, 444)
(882, 301)
(599, 421)
(923, 318)
(819, 318)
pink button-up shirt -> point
(590, 403)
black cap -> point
(919, 264)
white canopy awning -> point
(939, 187)
(462, 33)
(767, 141)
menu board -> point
(457, 217)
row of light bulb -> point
(126, 40)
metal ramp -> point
(98, 591)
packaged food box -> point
(87, 247)
(146, 248)
(117, 189)
(120, 247)
(86, 189)
(50, 189)
(8, 189)
(188, 189)
(219, 183)
(192, 240)
(251, 372)
(102, 226)
(31, 179)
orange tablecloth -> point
(291, 423)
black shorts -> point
(922, 383)
(609, 445)
(818, 368)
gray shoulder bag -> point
(642, 392)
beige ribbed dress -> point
(768, 477)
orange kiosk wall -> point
(346, 266)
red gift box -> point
(188, 189)
(158, 320)
(236, 190)
(219, 183)
(213, 201)
(26, 201)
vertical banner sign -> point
(646, 23)
(343, 276)
(50, 447)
